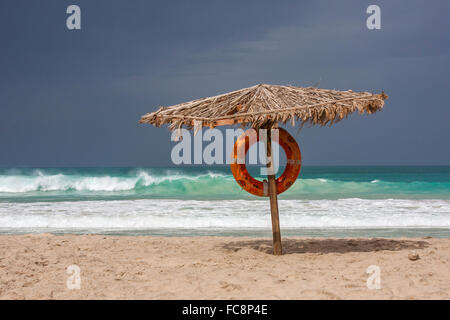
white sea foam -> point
(61, 182)
(232, 214)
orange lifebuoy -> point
(283, 182)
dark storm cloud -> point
(73, 98)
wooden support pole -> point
(277, 249)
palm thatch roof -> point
(264, 104)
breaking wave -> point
(188, 183)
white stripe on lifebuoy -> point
(238, 161)
(265, 188)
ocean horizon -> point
(325, 201)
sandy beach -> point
(116, 267)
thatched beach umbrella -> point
(264, 106)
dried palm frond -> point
(266, 105)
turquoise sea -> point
(325, 201)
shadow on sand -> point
(291, 246)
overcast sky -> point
(74, 97)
